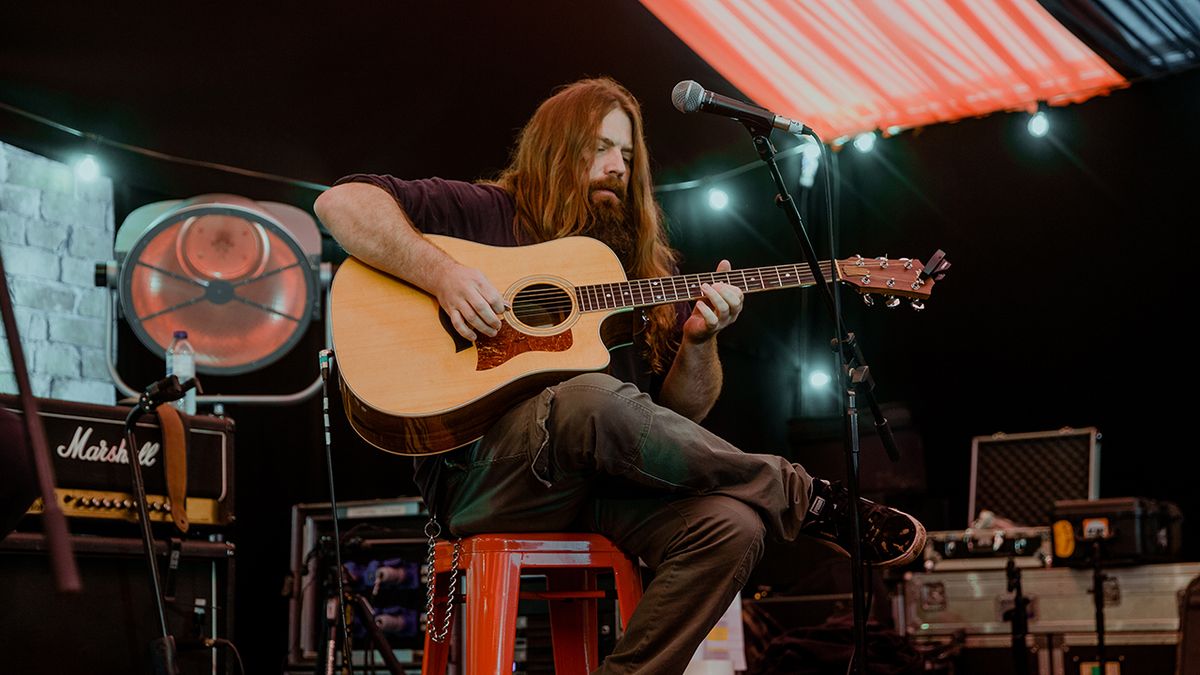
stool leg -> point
(628, 580)
(436, 653)
(573, 622)
(491, 612)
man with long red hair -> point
(620, 453)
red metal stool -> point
(494, 564)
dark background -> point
(1067, 304)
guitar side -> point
(411, 386)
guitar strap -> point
(174, 433)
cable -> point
(137, 149)
(325, 360)
(669, 187)
(237, 656)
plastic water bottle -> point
(181, 362)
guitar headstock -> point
(893, 279)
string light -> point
(810, 161)
(96, 140)
(865, 142)
(717, 199)
(87, 169)
(1038, 124)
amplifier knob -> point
(126, 504)
(155, 506)
(108, 503)
(166, 507)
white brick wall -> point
(52, 232)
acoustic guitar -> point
(412, 385)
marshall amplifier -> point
(91, 463)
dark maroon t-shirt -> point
(485, 214)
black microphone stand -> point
(162, 648)
(856, 374)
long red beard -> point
(610, 220)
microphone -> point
(688, 97)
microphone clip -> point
(164, 391)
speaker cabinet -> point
(108, 627)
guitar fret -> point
(633, 293)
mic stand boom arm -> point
(856, 374)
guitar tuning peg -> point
(869, 300)
(892, 302)
(917, 305)
(908, 263)
(883, 262)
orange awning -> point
(846, 66)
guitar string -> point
(564, 305)
(686, 278)
(751, 278)
(637, 289)
(689, 290)
(557, 299)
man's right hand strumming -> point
(470, 300)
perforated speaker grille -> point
(1019, 476)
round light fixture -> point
(226, 271)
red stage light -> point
(227, 271)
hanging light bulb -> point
(865, 142)
(717, 199)
(810, 161)
(1038, 124)
(87, 169)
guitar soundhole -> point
(541, 306)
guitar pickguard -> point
(495, 351)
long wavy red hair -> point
(548, 179)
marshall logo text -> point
(104, 452)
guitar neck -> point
(664, 290)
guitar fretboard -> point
(662, 290)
